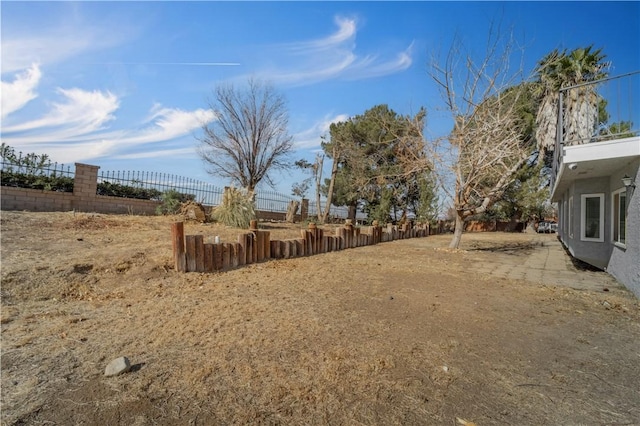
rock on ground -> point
(117, 366)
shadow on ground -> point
(577, 263)
(517, 248)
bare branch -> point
(249, 138)
(486, 148)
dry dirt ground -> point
(405, 332)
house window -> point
(592, 217)
(570, 221)
(619, 207)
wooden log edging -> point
(192, 254)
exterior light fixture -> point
(573, 166)
(628, 182)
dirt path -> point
(406, 332)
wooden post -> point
(313, 234)
(275, 249)
(300, 247)
(199, 253)
(177, 241)
(251, 247)
(253, 228)
(217, 257)
(242, 242)
(259, 246)
(208, 258)
(191, 252)
(267, 245)
(320, 241)
(285, 249)
(235, 255)
(376, 232)
(226, 256)
(356, 237)
(306, 241)
(249, 251)
(349, 235)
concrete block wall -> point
(83, 198)
(35, 200)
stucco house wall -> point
(624, 263)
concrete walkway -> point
(547, 263)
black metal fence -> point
(23, 172)
(151, 185)
(271, 201)
(336, 212)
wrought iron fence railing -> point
(22, 173)
(151, 186)
(145, 185)
(271, 201)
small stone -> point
(117, 366)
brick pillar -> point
(85, 186)
(304, 210)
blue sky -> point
(124, 85)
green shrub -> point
(47, 183)
(237, 209)
(127, 191)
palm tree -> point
(558, 70)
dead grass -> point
(400, 333)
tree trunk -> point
(334, 172)
(352, 213)
(292, 209)
(319, 165)
(457, 232)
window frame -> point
(615, 208)
(570, 220)
(583, 217)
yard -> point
(406, 332)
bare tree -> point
(249, 137)
(486, 147)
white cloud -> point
(346, 32)
(57, 44)
(80, 112)
(310, 138)
(333, 56)
(401, 62)
(166, 124)
(173, 153)
(77, 126)
(20, 91)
